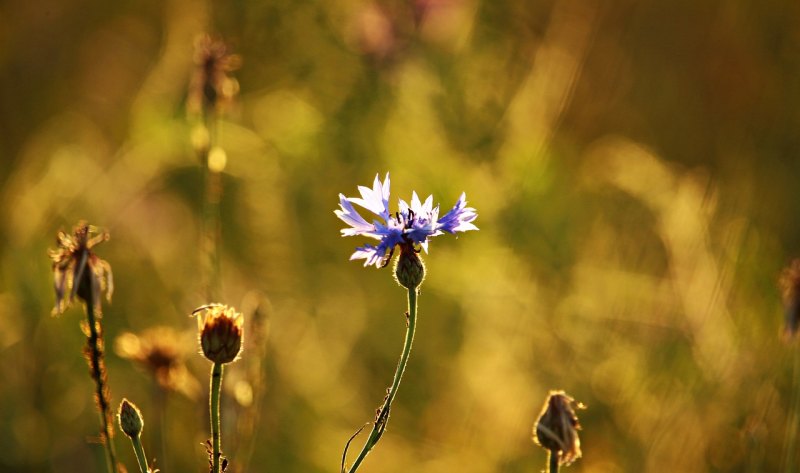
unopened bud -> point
(557, 428)
(409, 270)
(221, 333)
(130, 419)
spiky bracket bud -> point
(557, 428)
(221, 332)
(130, 419)
(409, 270)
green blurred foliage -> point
(633, 164)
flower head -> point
(161, 352)
(557, 428)
(77, 270)
(212, 86)
(409, 227)
(220, 332)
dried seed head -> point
(221, 331)
(77, 270)
(161, 351)
(789, 283)
(557, 428)
(212, 88)
(409, 270)
(130, 419)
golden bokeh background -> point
(634, 165)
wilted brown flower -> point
(212, 87)
(790, 291)
(220, 332)
(557, 428)
(161, 352)
(77, 271)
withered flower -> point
(221, 331)
(161, 352)
(789, 283)
(212, 88)
(78, 271)
(557, 428)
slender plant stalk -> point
(383, 415)
(95, 355)
(140, 456)
(160, 397)
(216, 384)
(794, 416)
(552, 458)
(211, 209)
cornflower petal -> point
(350, 216)
(376, 200)
(459, 218)
(372, 255)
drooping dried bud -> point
(409, 270)
(130, 419)
(557, 428)
(221, 331)
(790, 292)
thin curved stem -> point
(140, 456)
(383, 414)
(216, 384)
(94, 352)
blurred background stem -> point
(794, 413)
(160, 398)
(211, 207)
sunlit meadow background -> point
(635, 169)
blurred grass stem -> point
(160, 397)
(211, 208)
(216, 385)
(95, 354)
(794, 417)
(383, 414)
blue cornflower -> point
(412, 225)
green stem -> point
(97, 369)
(140, 456)
(552, 458)
(383, 415)
(216, 384)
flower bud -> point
(557, 428)
(409, 270)
(130, 419)
(221, 333)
